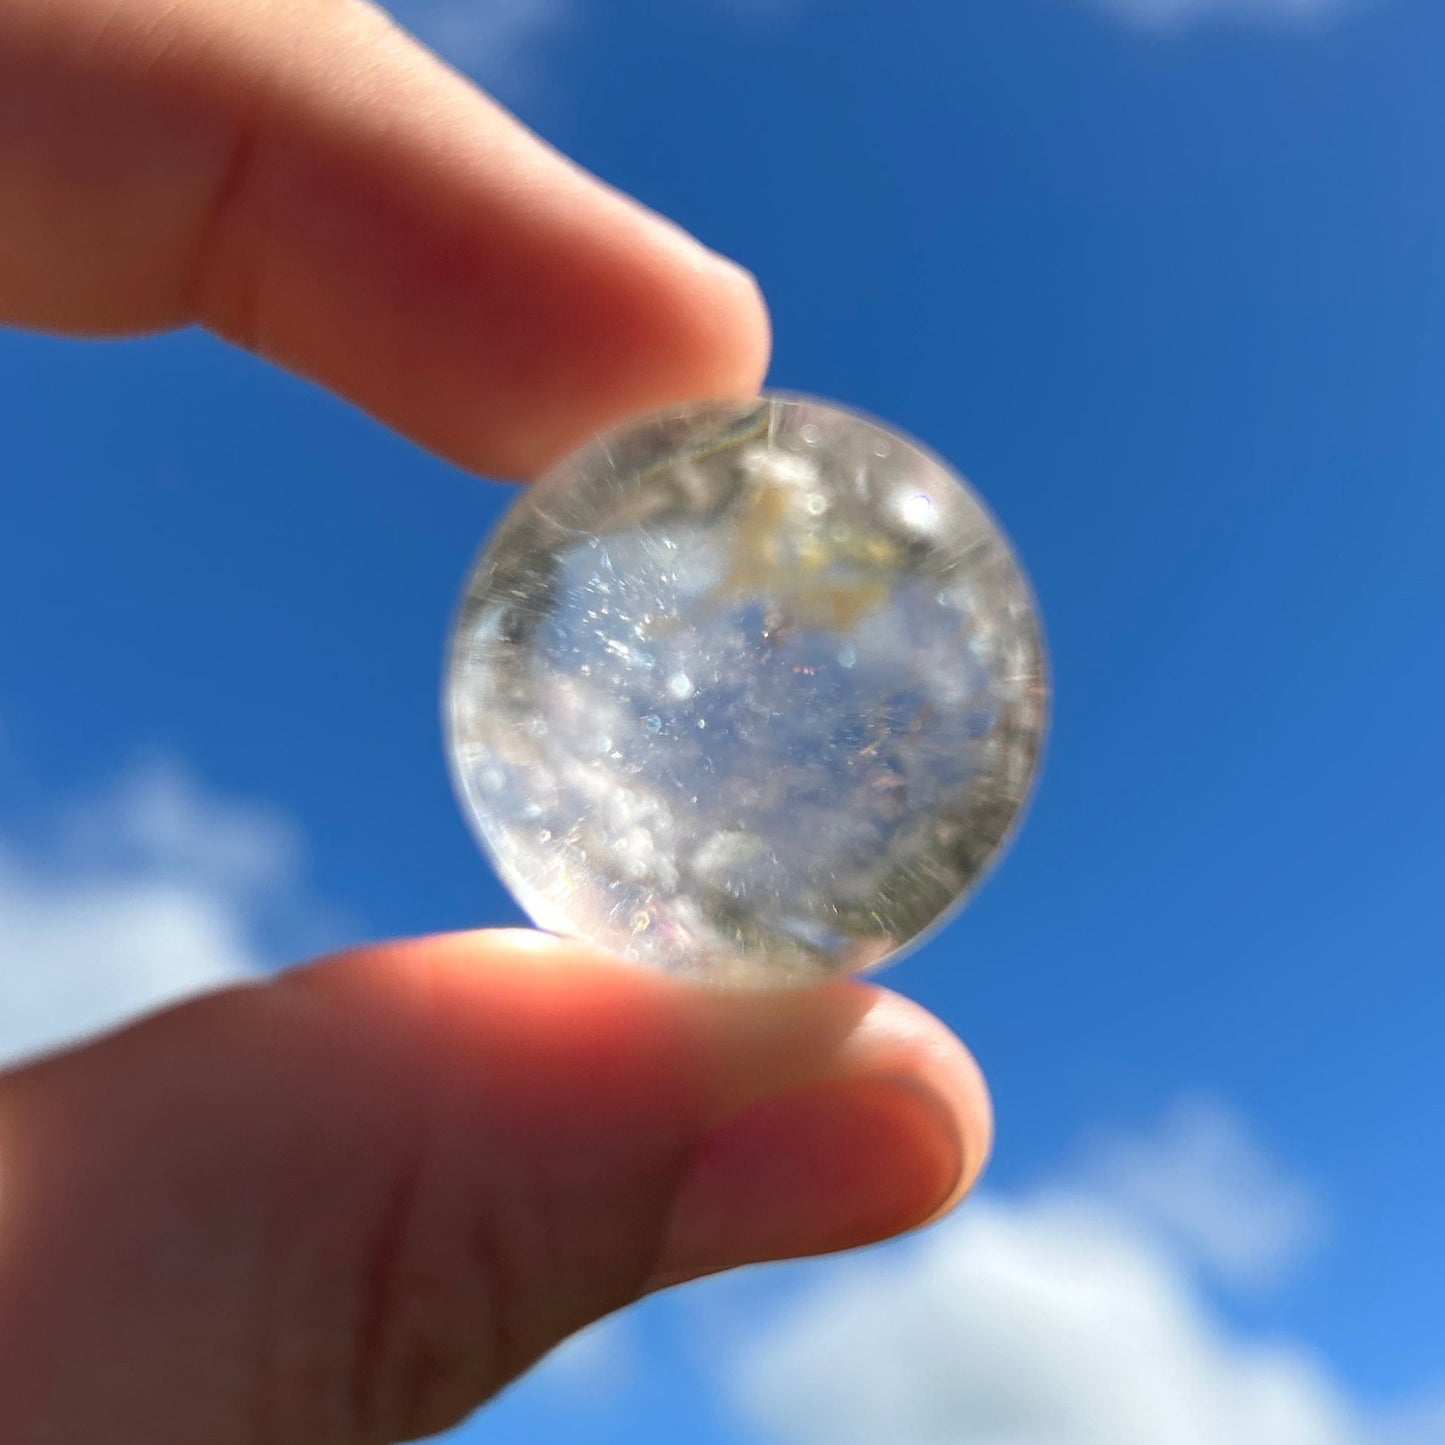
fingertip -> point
(658, 321)
(736, 329)
(887, 1136)
(902, 1036)
(823, 1168)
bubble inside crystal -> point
(751, 692)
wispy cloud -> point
(504, 44)
(596, 1366)
(1175, 15)
(145, 893)
(1202, 1181)
(1076, 1315)
(500, 42)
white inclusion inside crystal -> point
(680, 686)
(789, 471)
(816, 504)
(847, 656)
(917, 510)
(810, 434)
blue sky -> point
(1167, 281)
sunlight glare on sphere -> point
(750, 692)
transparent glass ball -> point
(750, 692)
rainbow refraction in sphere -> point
(751, 692)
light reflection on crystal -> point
(751, 692)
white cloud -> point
(504, 43)
(1072, 1316)
(497, 41)
(1172, 15)
(1202, 1181)
(135, 898)
(1422, 1424)
(596, 1366)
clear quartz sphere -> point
(751, 692)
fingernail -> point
(824, 1168)
(695, 254)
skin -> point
(351, 1205)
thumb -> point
(349, 1206)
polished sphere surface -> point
(751, 692)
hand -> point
(350, 1205)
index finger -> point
(309, 182)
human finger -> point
(305, 179)
(351, 1205)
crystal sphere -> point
(751, 692)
